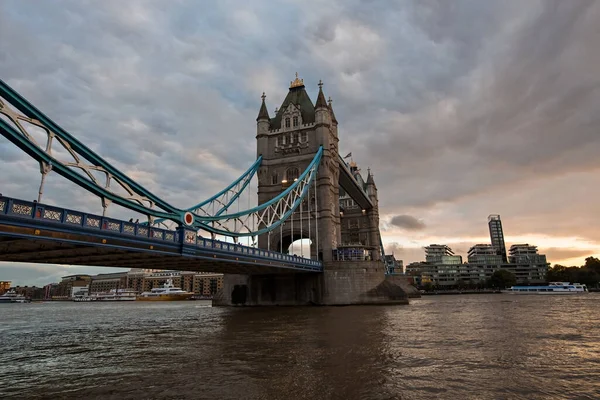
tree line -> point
(588, 274)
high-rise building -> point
(497, 235)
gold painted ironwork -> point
(296, 82)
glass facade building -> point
(497, 235)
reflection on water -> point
(449, 347)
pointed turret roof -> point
(370, 180)
(331, 110)
(321, 98)
(263, 113)
(297, 96)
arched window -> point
(287, 122)
(274, 179)
(295, 121)
(292, 174)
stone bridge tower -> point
(288, 142)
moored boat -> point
(112, 295)
(552, 288)
(13, 297)
(166, 293)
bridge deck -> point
(351, 186)
(39, 233)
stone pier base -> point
(341, 283)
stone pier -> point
(342, 283)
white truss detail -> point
(265, 218)
(223, 201)
(61, 152)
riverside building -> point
(444, 269)
(204, 284)
(438, 253)
(4, 286)
(106, 282)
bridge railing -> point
(191, 239)
(49, 214)
(46, 214)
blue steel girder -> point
(226, 197)
(85, 159)
(35, 222)
(261, 219)
(268, 216)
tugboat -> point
(12, 297)
(167, 293)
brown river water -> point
(438, 347)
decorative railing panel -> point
(69, 218)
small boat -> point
(12, 297)
(112, 295)
(552, 288)
(166, 293)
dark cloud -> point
(407, 222)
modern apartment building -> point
(484, 254)
(443, 268)
(435, 253)
(525, 254)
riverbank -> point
(444, 292)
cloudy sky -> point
(461, 108)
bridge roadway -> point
(39, 233)
(351, 187)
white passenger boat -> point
(12, 297)
(112, 295)
(551, 288)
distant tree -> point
(502, 279)
(428, 287)
(593, 264)
(588, 276)
(560, 273)
(557, 273)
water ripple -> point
(447, 347)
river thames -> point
(439, 347)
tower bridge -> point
(306, 190)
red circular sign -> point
(188, 218)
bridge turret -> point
(334, 123)
(322, 112)
(263, 122)
(373, 215)
(371, 187)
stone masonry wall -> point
(342, 283)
